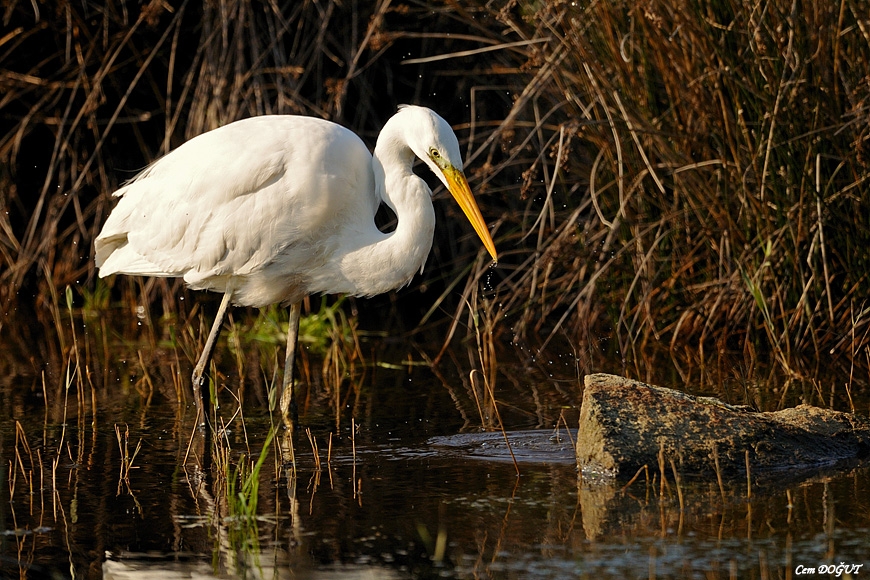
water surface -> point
(404, 484)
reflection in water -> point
(420, 514)
(391, 496)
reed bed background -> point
(687, 173)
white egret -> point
(274, 208)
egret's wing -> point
(229, 201)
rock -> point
(626, 424)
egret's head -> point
(432, 140)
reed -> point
(128, 458)
(711, 154)
(677, 173)
(483, 322)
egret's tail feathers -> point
(123, 259)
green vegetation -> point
(681, 173)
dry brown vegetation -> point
(688, 172)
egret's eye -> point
(434, 153)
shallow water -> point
(407, 485)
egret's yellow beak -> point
(458, 186)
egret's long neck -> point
(390, 260)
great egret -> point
(274, 208)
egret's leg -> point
(205, 357)
(288, 401)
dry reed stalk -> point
(312, 440)
(353, 449)
(21, 440)
(663, 479)
(485, 420)
(645, 469)
(748, 477)
(486, 357)
(718, 472)
(567, 430)
(678, 483)
(626, 156)
(127, 458)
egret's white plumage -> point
(274, 208)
